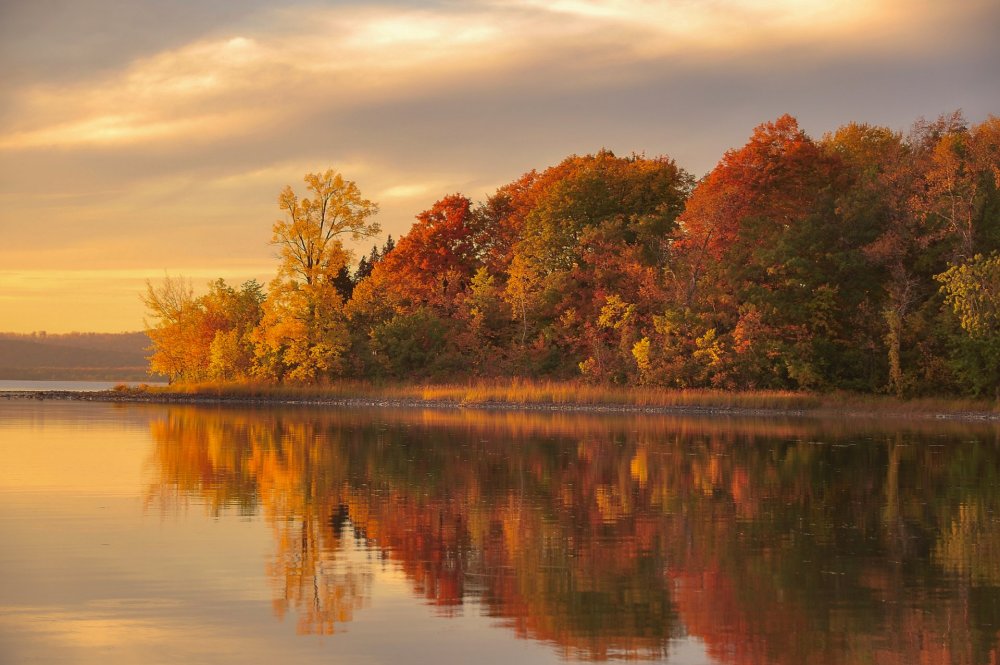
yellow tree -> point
(309, 236)
(303, 334)
(196, 339)
(173, 328)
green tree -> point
(413, 344)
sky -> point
(144, 138)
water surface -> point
(147, 533)
(22, 385)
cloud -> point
(233, 85)
(169, 152)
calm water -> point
(77, 386)
(156, 534)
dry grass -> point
(569, 393)
(573, 393)
(844, 401)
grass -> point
(571, 393)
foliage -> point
(412, 344)
(852, 262)
(302, 336)
(972, 289)
(309, 236)
(195, 339)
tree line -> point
(866, 260)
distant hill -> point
(75, 356)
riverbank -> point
(541, 397)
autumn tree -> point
(596, 227)
(873, 193)
(231, 355)
(309, 236)
(972, 292)
(172, 328)
(434, 261)
(204, 338)
(487, 332)
(406, 307)
(762, 251)
(303, 334)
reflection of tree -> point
(311, 576)
(286, 467)
(969, 544)
(204, 458)
(607, 538)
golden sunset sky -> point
(140, 138)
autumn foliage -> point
(845, 262)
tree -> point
(972, 290)
(196, 339)
(761, 230)
(303, 334)
(435, 260)
(873, 192)
(594, 227)
(523, 285)
(488, 328)
(231, 351)
(770, 183)
(643, 195)
(413, 344)
(172, 309)
(309, 236)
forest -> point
(867, 260)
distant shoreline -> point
(221, 399)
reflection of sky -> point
(71, 449)
(150, 136)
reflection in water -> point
(771, 541)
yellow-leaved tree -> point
(203, 338)
(303, 334)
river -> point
(162, 534)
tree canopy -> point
(862, 260)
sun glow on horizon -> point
(58, 300)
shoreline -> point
(195, 399)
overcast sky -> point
(144, 137)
